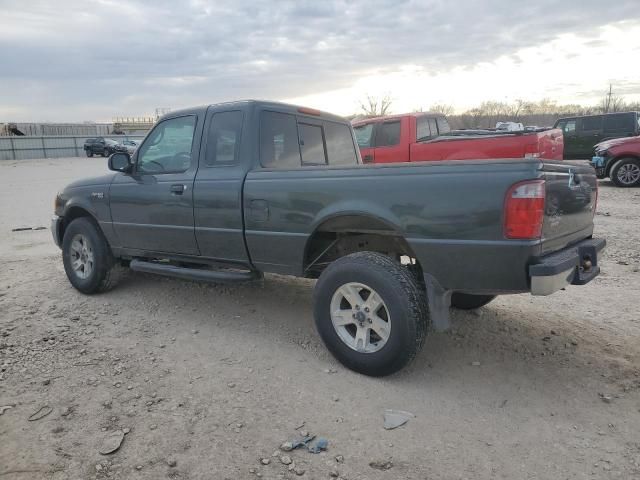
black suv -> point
(99, 146)
(581, 134)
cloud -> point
(76, 60)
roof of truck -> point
(384, 118)
(266, 104)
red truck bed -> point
(418, 137)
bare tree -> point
(443, 108)
(612, 103)
(375, 107)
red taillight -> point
(524, 210)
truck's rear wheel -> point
(626, 172)
(467, 301)
(89, 153)
(370, 313)
(87, 258)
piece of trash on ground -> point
(43, 412)
(112, 442)
(318, 445)
(5, 408)
(313, 444)
(381, 464)
(396, 418)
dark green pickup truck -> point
(225, 192)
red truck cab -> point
(417, 137)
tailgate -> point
(571, 193)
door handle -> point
(367, 158)
(178, 189)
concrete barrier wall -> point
(32, 147)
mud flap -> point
(439, 302)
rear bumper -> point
(574, 265)
(56, 221)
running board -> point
(214, 276)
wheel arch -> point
(76, 211)
(343, 233)
(616, 159)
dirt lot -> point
(208, 380)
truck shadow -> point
(489, 345)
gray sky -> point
(72, 60)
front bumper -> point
(56, 223)
(575, 265)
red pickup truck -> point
(417, 137)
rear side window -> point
(364, 135)
(592, 123)
(340, 147)
(223, 139)
(426, 128)
(279, 146)
(312, 144)
(388, 134)
(443, 126)
(619, 123)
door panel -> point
(152, 208)
(389, 147)
(218, 190)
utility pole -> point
(608, 104)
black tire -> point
(467, 301)
(104, 271)
(403, 298)
(629, 166)
(89, 153)
(105, 154)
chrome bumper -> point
(574, 265)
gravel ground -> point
(206, 382)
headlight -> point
(58, 203)
(602, 152)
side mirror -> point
(120, 162)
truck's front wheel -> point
(87, 258)
(370, 313)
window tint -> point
(340, 147)
(425, 128)
(311, 144)
(223, 140)
(388, 134)
(568, 127)
(592, 123)
(619, 123)
(168, 146)
(443, 126)
(363, 135)
(279, 146)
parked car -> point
(417, 137)
(619, 159)
(581, 134)
(227, 192)
(99, 146)
(128, 146)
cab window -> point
(363, 135)
(167, 149)
(279, 146)
(223, 139)
(388, 134)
